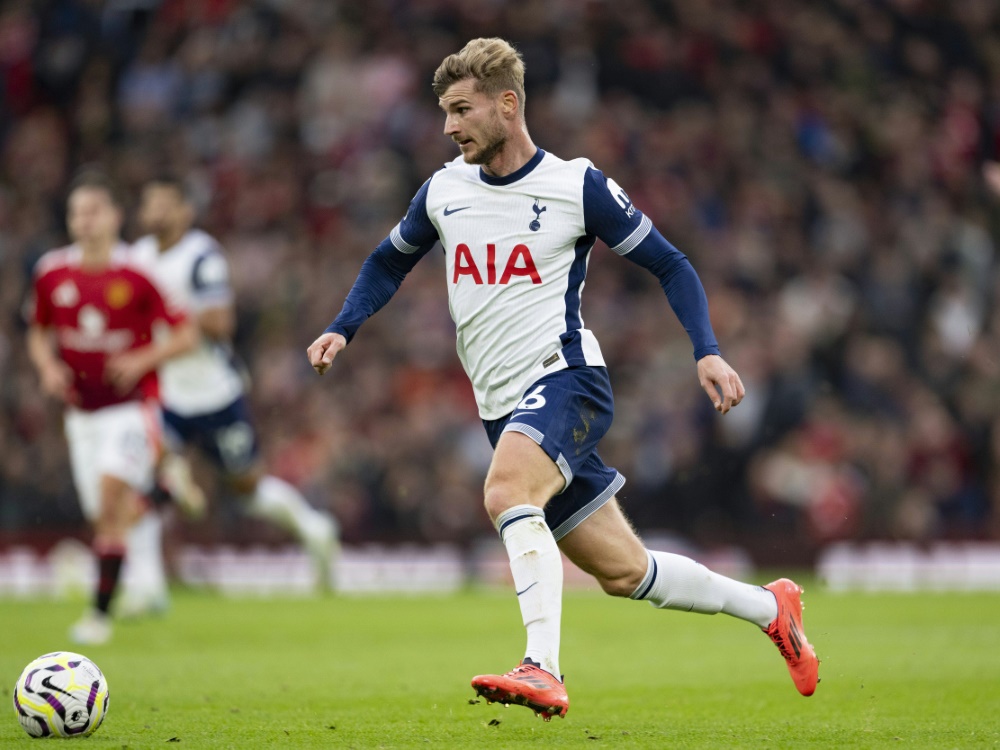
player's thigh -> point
(549, 438)
(520, 472)
(226, 437)
(607, 547)
(121, 506)
(129, 444)
(83, 438)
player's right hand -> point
(57, 379)
(322, 351)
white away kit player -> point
(517, 225)
(204, 392)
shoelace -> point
(523, 669)
(780, 642)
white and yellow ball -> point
(61, 694)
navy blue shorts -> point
(227, 436)
(567, 413)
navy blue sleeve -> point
(682, 286)
(384, 270)
(610, 215)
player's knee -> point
(244, 484)
(498, 497)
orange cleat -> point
(525, 685)
(787, 633)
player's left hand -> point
(717, 377)
(124, 370)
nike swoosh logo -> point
(454, 210)
(528, 589)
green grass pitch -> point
(383, 672)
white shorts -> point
(122, 441)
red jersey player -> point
(91, 340)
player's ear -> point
(508, 103)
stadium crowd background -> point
(819, 162)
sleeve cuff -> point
(705, 351)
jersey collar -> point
(513, 176)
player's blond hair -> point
(494, 64)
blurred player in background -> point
(204, 392)
(91, 341)
(517, 226)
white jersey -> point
(516, 252)
(195, 276)
(508, 283)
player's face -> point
(472, 120)
(92, 216)
(164, 211)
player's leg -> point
(275, 500)
(538, 450)
(126, 438)
(120, 508)
(144, 588)
(83, 436)
(520, 481)
(231, 441)
(175, 479)
(606, 546)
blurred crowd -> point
(825, 164)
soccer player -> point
(517, 225)
(91, 341)
(204, 391)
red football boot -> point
(525, 685)
(787, 633)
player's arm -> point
(124, 370)
(55, 375)
(218, 323)
(687, 298)
(380, 277)
(611, 216)
(212, 296)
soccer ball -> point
(61, 694)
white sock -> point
(676, 582)
(536, 563)
(144, 579)
(279, 502)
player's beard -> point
(496, 138)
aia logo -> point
(518, 263)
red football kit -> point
(96, 314)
